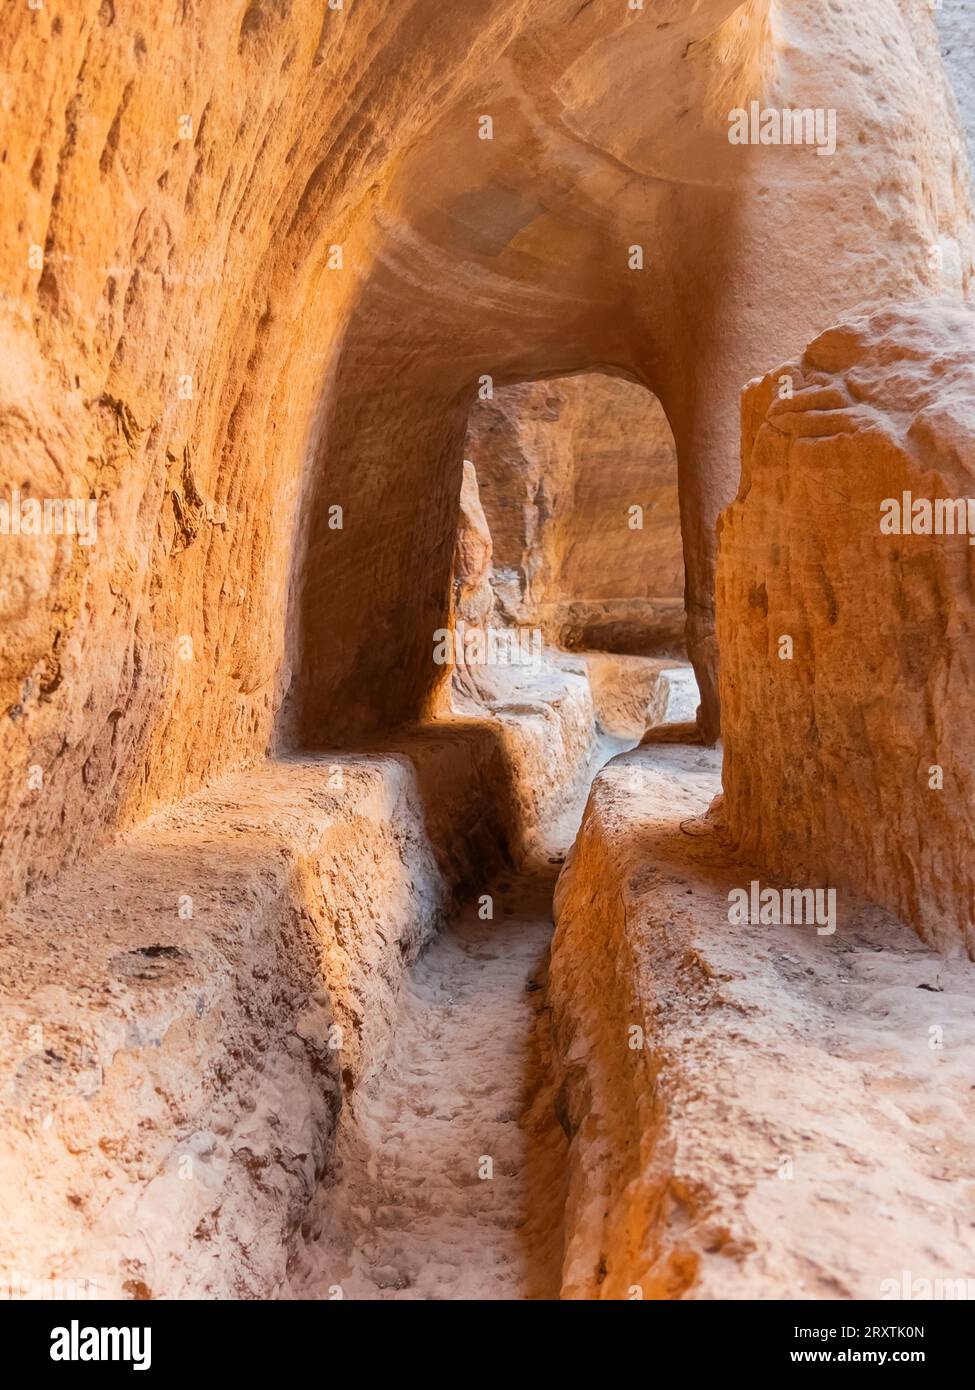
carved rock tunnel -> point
(266, 287)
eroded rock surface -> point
(754, 1111)
(450, 1166)
(846, 761)
(180, 344)
(186, 1018)
(954, 19)
(223, 976)
(254, 266)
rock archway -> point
(577, 479)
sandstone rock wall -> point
(561, 465)
(253, 263)
(846, 761)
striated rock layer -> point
(253, 264)
(847, 760)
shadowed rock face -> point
(180, 342)
(578, 481)
(845, 617)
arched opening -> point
(569, 545)
(577, 480)
(574, 479)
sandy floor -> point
(460, 1096)
(463, 1093)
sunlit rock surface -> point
(848, 649)
(254, 266)
(753, 1111)
(182, 187)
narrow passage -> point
(451, 1160)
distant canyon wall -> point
(577, 479)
